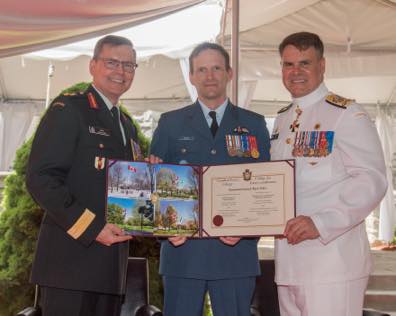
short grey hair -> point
(112, 40)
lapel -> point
(196, 120)
(103, 113)
(129, 128)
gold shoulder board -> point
(338, 101)
(284, 109)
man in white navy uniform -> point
(323, 263)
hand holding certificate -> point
(208, 201)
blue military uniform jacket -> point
(66, 176)
(183, 136)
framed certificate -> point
(252, 199)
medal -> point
(238, 147)
(136, 152)
(245, 146)
(99, 163)
(230, 146)
(253, 147)
(329, 138)
(295, 125)
(255, 153)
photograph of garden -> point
(153, 199)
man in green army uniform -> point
(80, 260)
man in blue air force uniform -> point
(210, 131)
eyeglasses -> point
(113, 64)
(304, 64)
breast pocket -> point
(93, 151)
(187, 152)
(314, 169)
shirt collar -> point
(219, 111)
(313, 97)
(105, 99)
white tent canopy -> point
(360, 44)
(32, 25)
(358, 34)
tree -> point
(158, 222)
(194, 180)
(170, 217)
(166, 180)
(116, 175)
(115, 214)
(19, 226)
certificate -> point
(253, 199)
(248, 199)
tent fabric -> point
(358, 36)
(20, 119)
(387, 215)
(27, 25)
(160, 36)
(345, 26)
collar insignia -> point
(284, 109)
(92, 101)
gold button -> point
(288, 141)
(213, 151)
(101, 146)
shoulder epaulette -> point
(284, 109)
(72, 94)
(338, 101)
(68, 94)
(62, 99)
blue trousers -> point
(228, 297)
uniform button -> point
(183, 150)
(213, 151)
(288, 141)
(101, 146)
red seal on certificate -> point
(218, 220)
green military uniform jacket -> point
(67, 177)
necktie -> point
(116, 119)
(214, 126)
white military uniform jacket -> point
(340, 179)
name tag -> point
(99, 131)
(186, 138)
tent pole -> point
(51, 69)
(392, 94)
(235, 50)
